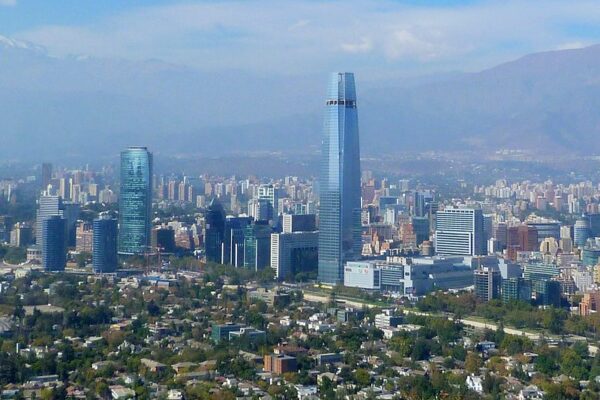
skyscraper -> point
(46, 175)
(215, 231)
(48, 206)
(340, 208)
(135, 201)
(105, 244)
(54, 247)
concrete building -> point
(459, 231)
(487, 282)
(292, 253)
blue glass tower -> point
(339, 213)
(135, 201)
(215, 231)
(54, 244)
(105, 244)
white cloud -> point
(364, 45)
(312, 36)
(8, 3)
(571, 45)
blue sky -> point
(378, 37)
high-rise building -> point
(516, 289)
(84, 237)
(268, 194)
(135, 201)
(105, 244)
(299, 223)
(257, 245)
(163, 239)
(46, 175)
(21, 235)
(48, 206)
(487, 283)
(293, 253)
(459, 231)
(54, 249)
(581, 232)
(232, 247)
(70, 212)
(340, 205)
(521, 238)
(215, 231)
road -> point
(468, 322)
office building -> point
(221, 332)
(293, 253)
(539, 271)
(279, 364)
(54, 249)
(257, 245)
(70, 212)
(516, 289)
(547, 292)
(21, 235)
(267, 194)
(104, 255)
(339, 185)
(214, 231)
(232, 247)
(84, 237)
(487, 283)
(135, 201)
(594, 224)
(581, 232)
(299, 223)
(545, 229)
(6, 226)
(163, 239)
(521, 238)
(260, 209)
(409, 276)
(499, 233)
(459, 231)
(420, 227)
(46, 175)
(591, 253)
(48, 206)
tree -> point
(326, 391)
(472, 363)
(420, 350)
(362, 377)
(153, 309)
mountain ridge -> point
(544, 102)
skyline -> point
(387, 38)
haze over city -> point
(181, 76)
(312, 199)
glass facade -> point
(215, 231)
(339, 215)
(105, 244)
(135, 201)
(54, 249)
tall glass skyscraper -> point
(135, 201)
(339, 215)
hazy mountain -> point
(86, 106)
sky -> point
(378, 38)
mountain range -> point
(54, 107)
